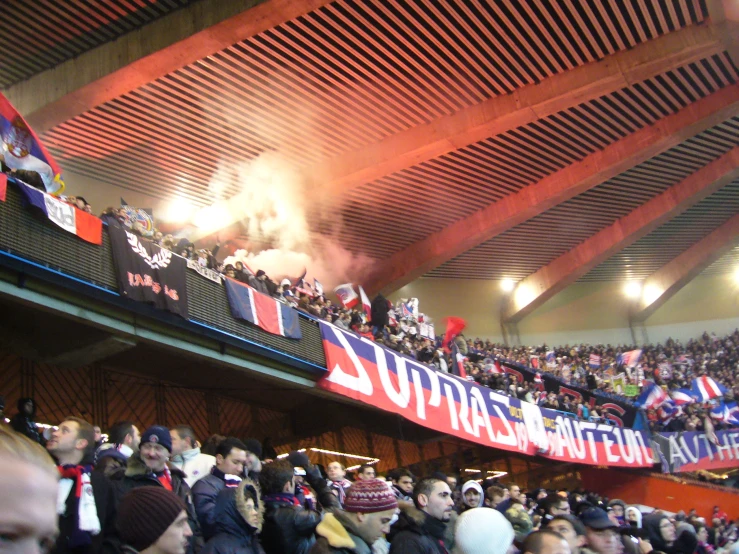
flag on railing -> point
(262, 310)
(346, 295)
(704, 389)
(68, 217)
(651, 396)
(682, 397)
(629, 359)
(594, 360)
(22, 149)
(366, 304)
(458, 362)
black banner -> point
(148, 273)
(616, 411)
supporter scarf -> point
(165, 478)
(231, 480)
(87, 522)
(282, 497)
(340, 488)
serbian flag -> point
(651, 396)
(704, 389)
(594, 360)
(682, 397)
(454, 326)
(366, 304)
(630, 358)
(68, 217)
(262, 310)
(347, 295)
(22, 149)
(458, 362)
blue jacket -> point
(204, 494)
(232, 534)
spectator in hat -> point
(28, 493)
(369, 509)
(253, 465)
(153, 520)
(482, 531)
(149, 468)
(601, 533)
(472, 496)
(24, 421)
(571, 529)
(259, 282)
(238, 519)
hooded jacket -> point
(204, 496)
(417, 533)
(685, 543)
(24, 424)
(233, 535)
(337, 534)
(194, 464)
(472, 485)
(138, 474)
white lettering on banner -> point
(590, 438)
(478, 406)
(627, 451)
(720, 448)
(607, 444)
(575, 445)
(399, 397)
(464, 409)
(676, 452)
(434, 396)
(522, 436)
(61, 213)
(509, 438)
(361, 383)
(732, 439)
(639, 439)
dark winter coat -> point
(337, 534)
(204, 494)
(137, 474)
(289, 529)
(417, 533)
(105, 542)
(379, 311)
(24, 424)
(686, 542)
(232, 534)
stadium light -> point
(507, 285)
(736, 276)
(632, 289)
(652, 293)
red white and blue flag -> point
(651, 396)
(630, 358)
(22, 149)
(68, 217)
(594, 360)
(366, 304)
(407, 310)
(682, 397)
(347, 295)
(704, 389)
(262, 310)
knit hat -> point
(482, 531)
(369, 497)
(145, 514)
(157, 434)
(474, 485)
(254, 446)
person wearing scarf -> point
(149, 468)
(85, 500)
(227, 473)
(337, 481)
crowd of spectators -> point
(159, 492)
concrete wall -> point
(584, 312)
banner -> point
(210, 274)
(68, 217)
(691, 450)
(631, 390)
(148, 273)
(620, 413)
(262, 310)
(363, 370)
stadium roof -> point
(545, 142)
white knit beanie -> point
(482, 531)
(474, 485)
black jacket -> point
(232, 534)
(105, 542)
(137, 474)
(417, 533)
(204, 494)
(289, 529)
(25, 425)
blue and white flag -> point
(651, 396)
(704, 389)
(682, 397)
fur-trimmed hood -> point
(341, 533)
(138, 468)
(230, 513)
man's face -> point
(472, 498)
(135, 438)
(618, 510)
(335, 471)
(515, 492)
(175, 538)
(552, 545)
(452, 482)
(604, 541)
(98, 433)
(374, 526)
(179, 444)
(367, 474)
(497, 499)
(252, 462)
(234, 463)
(566, 529)
(64, 438)
(405, 484)
(155, 456)
(439, 502)
(28, 521)
(560, 508)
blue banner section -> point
(692, 450)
